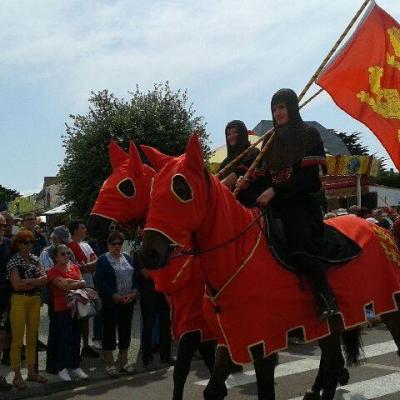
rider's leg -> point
(315, 272)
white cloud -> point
(95, 44)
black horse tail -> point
(353, 347)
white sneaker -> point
(64, 375)
(78, 373)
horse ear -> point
(156, 158)
(135, 160)
(116, 154)
(194, 153)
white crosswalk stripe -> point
(368, 389)
(386, 385)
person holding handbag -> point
(65, 276)
(117, 284)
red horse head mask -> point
(178, 204)
(124, 195)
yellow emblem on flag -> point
(385, 102)
(394, 36)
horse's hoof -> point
(310, 395)
(398, 353)
(344, 377)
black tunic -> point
(240, 167)
(295, 200)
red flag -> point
(364, 78)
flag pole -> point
(325, 61)
(311, 98)
(243, 153)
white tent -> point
(62, 209)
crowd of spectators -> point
(36, 270)
(64, 273)
(385, 217)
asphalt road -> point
(378, 378)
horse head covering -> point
(178, 192)
(125, 193)
(293, 140)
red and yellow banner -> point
(364, 78)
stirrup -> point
(327, 306)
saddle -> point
(338, 249)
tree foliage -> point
(159, 117)
(6, 196)
(387, 178)
(23, 205)
(353, 142)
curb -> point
(57, 387)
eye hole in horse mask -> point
(181, 189)
(127, 188)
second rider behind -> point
(237, 140)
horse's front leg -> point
(216, 388)
(265, 374)
(187, 346)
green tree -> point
(387, 178)
(159, 117)
(6, 196)
(22, 205)
(353, 142)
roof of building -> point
(332, 143)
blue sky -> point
(230, 55)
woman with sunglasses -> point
(117, 283)
(66, 276)
(26, 277)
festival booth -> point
(57, 215)
(347, 181)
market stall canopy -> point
(62, 209)
(332, 143)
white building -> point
(385, 196)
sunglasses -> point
(64, 253)
(116, 243)
(27, 242)
(30, 219)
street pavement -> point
(378, 378)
